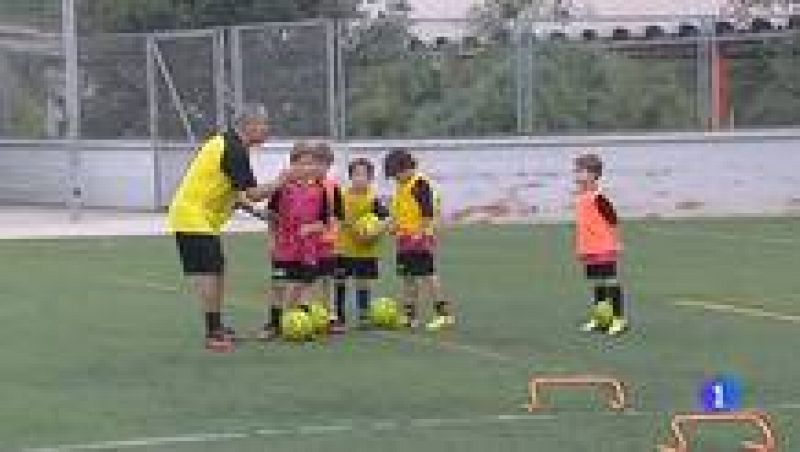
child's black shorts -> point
(296, 272)
(415, 263)
(365, 268)
(601, 271)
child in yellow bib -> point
(415, 208)
(358, 252)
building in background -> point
(637, 15)
(380, 9)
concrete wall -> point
(112, 174)
(751, 173)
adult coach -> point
(219, 179)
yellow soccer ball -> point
(368, 226)
(603, 314)
(296, 325)
(320, 318)
(385, 313)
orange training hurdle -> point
(614, 389)
(683, 424)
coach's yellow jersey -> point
(205, 198)
(355, 205)
(414, 200)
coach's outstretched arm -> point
(265, 190)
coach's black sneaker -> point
(229, 332)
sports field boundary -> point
(344, 426)
(733, 309)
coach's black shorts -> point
(296, 272)
(200, 254)
(605, 270)
(415, 263)
(364, 268)
(327, 266)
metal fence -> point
(397, 79)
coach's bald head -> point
(252, 124)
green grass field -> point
(101, 344)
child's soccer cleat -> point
(220, 344)
(441, 322)
(618, 326)
(591, 325)
(337, 327)
(229, 333)
(408, 323)
(266, 334)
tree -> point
(383, 82)
(583, 89)
(765, 89)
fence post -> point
(705, 48)
(237, 68)
(341, 76)
(330, 53)
(72, 103)
(220, 85)
(519, 74)
(152, 104)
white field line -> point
(301, 430)
(144, 442)
(344, 427)
(449, 345)
(731, 309)
(724, 236)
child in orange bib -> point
(597, 242)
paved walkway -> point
(26, 222)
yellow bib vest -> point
(204, 201)
(356, 205)
(407, 212)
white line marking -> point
(384, 425)
(727, 308)
(271, 432)
(145, 442)
(317, 429)
(435, 422)
(788, 406)
(148, 284)
(723, 236)
(449, 345)
(300, 430)
(522, 417)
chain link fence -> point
(113, 87)
(288, 68)
(31, 69)
(395, 84)
(398, 79)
